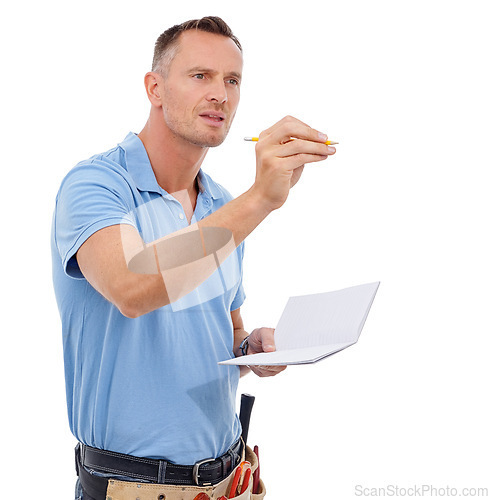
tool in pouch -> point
(247, 401)
(255, 484)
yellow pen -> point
(256, 139)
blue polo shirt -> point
(149, 386)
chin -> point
(207, 142)
(216, 143)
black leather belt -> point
(205, 472)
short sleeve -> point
(92, 196)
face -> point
(200, 93)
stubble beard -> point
(187, 131)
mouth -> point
(213, 117)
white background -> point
(403, 87)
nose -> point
(218, 93)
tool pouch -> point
(125, 490)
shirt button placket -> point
(207, 203)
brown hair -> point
(166, 45)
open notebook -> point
(313, 327)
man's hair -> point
(166, 46)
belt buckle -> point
(195, 470)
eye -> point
(233, 81)
(199, 76)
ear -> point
(152, 83)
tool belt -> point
(160, 479)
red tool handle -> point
(256, 474)
(234, 484)
(246, 481)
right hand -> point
(281, 154)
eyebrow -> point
(199, 69)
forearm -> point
(184, 260)
(240, 216)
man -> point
(142, 341)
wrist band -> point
(244, 346)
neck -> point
(175, 162)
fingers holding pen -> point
(281, 153)
(292, 155)
(305, 147)
(286, 124)
(290, 137)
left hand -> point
(262, 340)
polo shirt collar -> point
(139, 166)
(208, 186)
